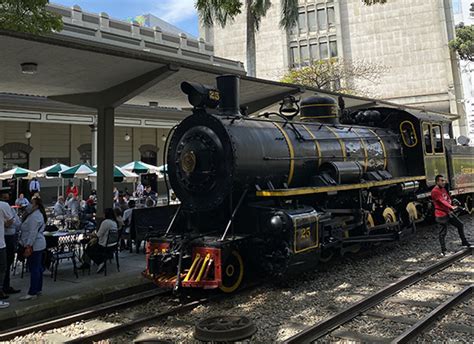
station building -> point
(36, 132)
(409, 38)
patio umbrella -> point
(80, 171)
(53, 171)
(139, 167)
(17, 173)
(120, 175)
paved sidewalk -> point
(69, 293)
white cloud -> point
(175, 11)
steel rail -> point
(418, 328)
(119, 329)
(320, 329)
(83, 314)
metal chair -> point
(66, 249)
(112, 249)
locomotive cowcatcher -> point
(276, 193)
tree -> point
(28, 16)
(463, 44)
(222, 11)
(338, 75)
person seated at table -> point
(121, 203)
(106, 236)
(149, 193)
(119, 219)
(59, 207)
(21, 201)
(139, 190)
(73, 204)
(72, 189)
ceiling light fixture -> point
(28, 134)
(29, 68)
(127, 137)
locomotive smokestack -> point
(229, 91)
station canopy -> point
(69, 69)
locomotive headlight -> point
(276, 223)
(201, 96)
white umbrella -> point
(53, 171)
(17, 173)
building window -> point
(149, 157)
(294, 55)
(333, 48)
(304, 54)
(314, 51)
(322, 20)
(302, 22)
(12, 159)
(85, 152)
(323, 50)
(312, 21)
(331, 17)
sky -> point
(180, 13)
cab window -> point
(437, 138)
(427, 138)
(407, 129)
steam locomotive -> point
(279, 192)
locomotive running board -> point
(323, 189)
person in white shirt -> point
(21, 201)
(34, 242)
(106, 236)
(6, 220)
(11, 238)
(139, 190)
(34, 186)
(73, 205)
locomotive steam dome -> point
(320, 109)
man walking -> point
(444, 213)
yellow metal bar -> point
(315, 190)
(366, 154)
(193, 265)
(383, 148)
(203, 267)
(292, 152)
(316, 143)
(341, 142)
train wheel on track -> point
(232, 272)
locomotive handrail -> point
(233, 214)
(315, 189)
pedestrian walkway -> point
(69, 293)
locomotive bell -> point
(319, 109)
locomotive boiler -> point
(274, 193)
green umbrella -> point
(120, 175)
(17, 173)
(81, 171)
(140, 167)
(52, 171)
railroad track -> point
(329, 325)
(127, 326)
(84, 314)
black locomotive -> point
(275, 192)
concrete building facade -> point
(409, 38)
(464, 13)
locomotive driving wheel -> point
(389, 215)
(232, 272)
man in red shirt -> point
(444, 213)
